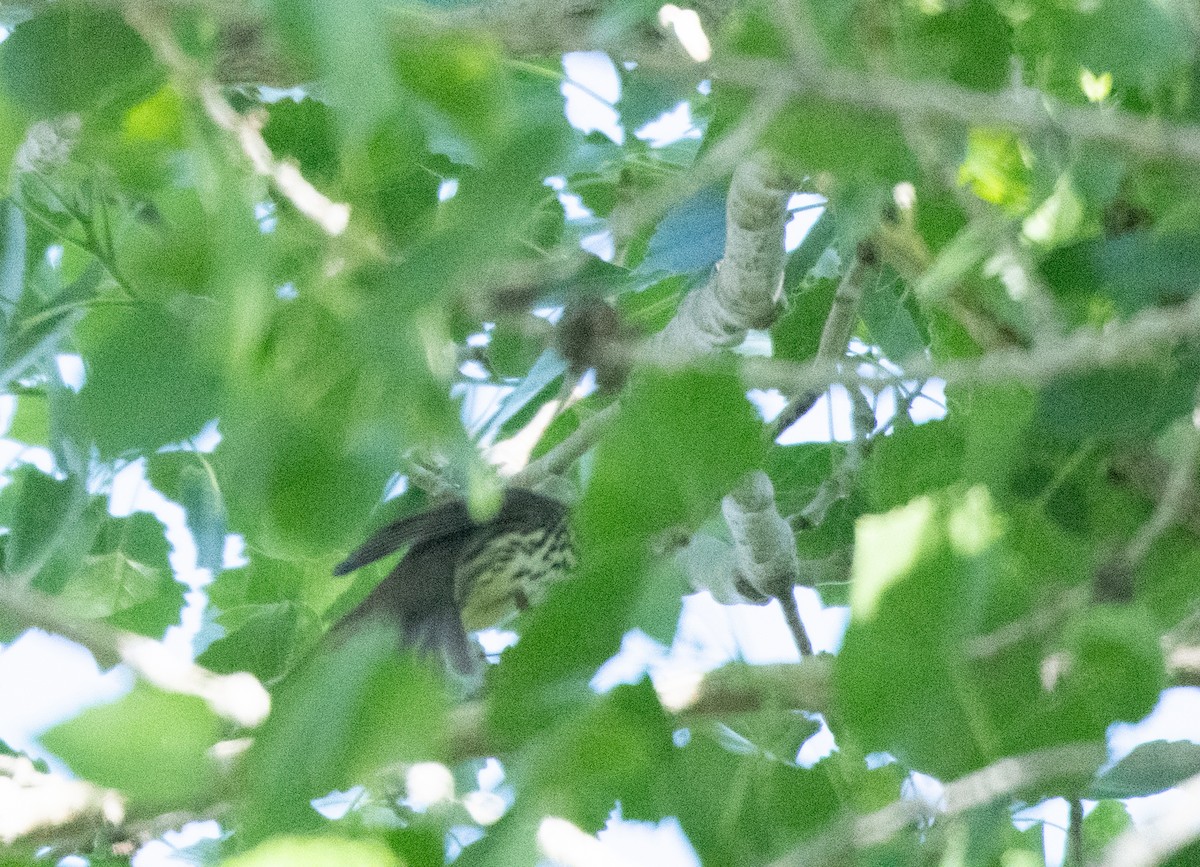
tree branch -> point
(236, 697)
(742, 295)
(1024, 111)
(332, 217)
(764, 548)
(835, 337)
(745, 291)
(1004, 778)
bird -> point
(461, 575)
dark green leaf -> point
(1137, 270)
(1120, 403)
(912, 461)
(1151, 768)
(261, 639)
(73, 57)
(43, 511)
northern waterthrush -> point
(460, 575)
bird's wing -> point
(445, 520)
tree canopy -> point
(308, 266)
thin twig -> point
(835, 337)
(332, 217)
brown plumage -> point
(460, 575)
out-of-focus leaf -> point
(772, 807)
(317, 851)
(43, 510)
(913, 461)
(151, 745)
(892, 318)
(354, 707)
(967, 43)
(797, 334)
(540, 382)
(1134, 271)
(261, 639)
(459, 75)
(304, 131)
(348, 45)
(936, 583)
(650, 309)
(31, 421)
(147, 385)
(611, 752)
(1140, 43)
(1103, 824)
(1120, 403)
(73, 57)
(995, 168)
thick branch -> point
(745, 291)
(743, 295)
(764, 547)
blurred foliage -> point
(1022, 177)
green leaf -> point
(459, 75)
(44, 508)
(967, 43)
(1104, 824)
(1134, 271)
(797, 334)
(304, 131)
(261, 639)
(614, 751)
(1151, 768)
(150, 745)
(766, 807)
(915, 460)
(188, 479)
(73, 57)
(354, 707)
(892, 318)
(680, 443)
(348, 45)
(146, 385)
(926, 672)
(811, 134)
(1114, 671)
(316, 851)
(1140, 42)
(113, 568)
(31, 421)
(1120, 403)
